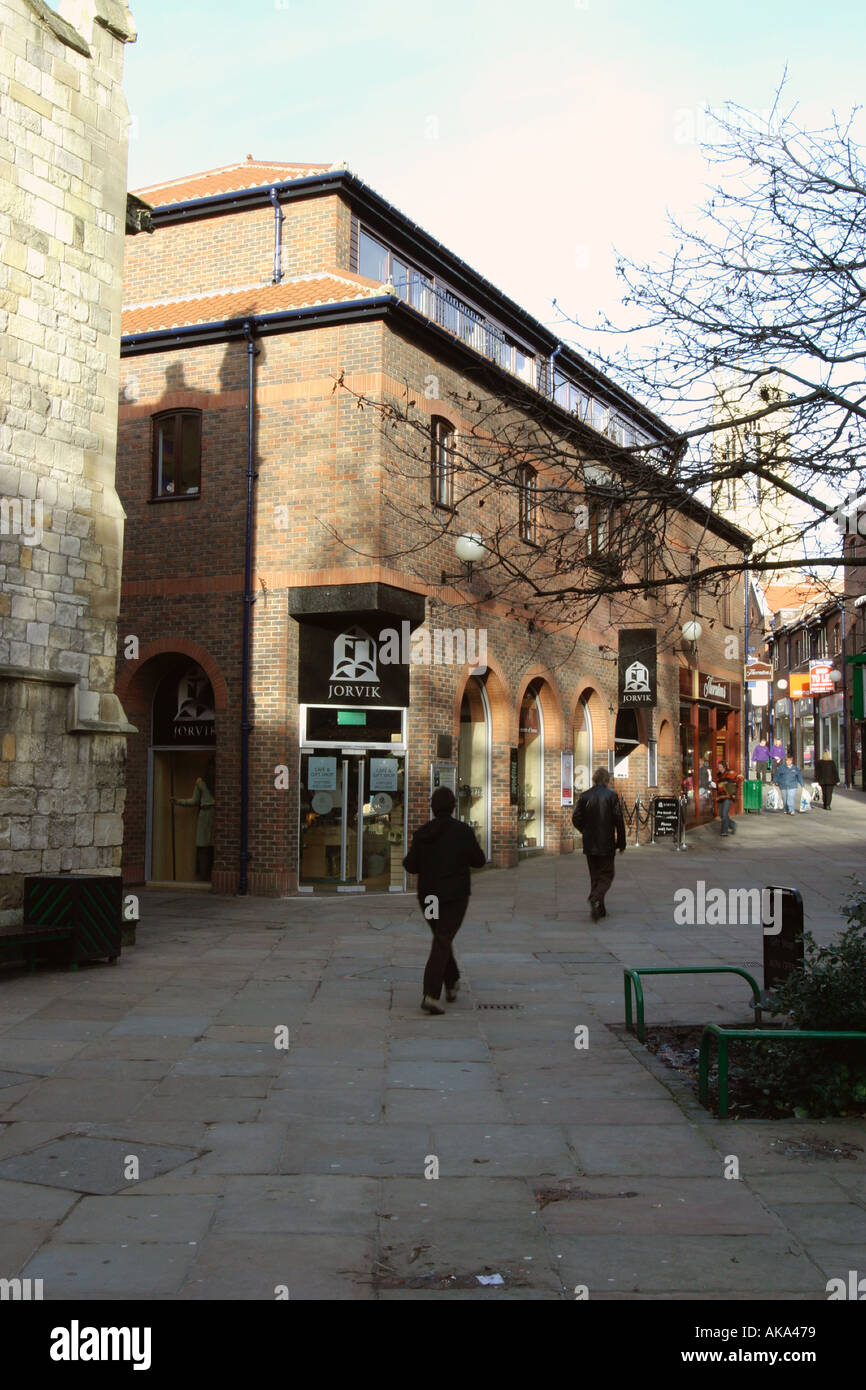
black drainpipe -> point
(249, 600)
(278, 237)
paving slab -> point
(312, 1168)
(108, 1270)
(309, 1268)
(84, 1164)
(333, 1205)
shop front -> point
(830, 716)
(710, 733)
(353, 693)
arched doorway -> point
(530, 773)
(180, 778)
(473, 762)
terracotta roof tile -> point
(247, 173)
(302, 291)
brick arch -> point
(551, 705)
(666, 739)
(602, 732)
(129, 685)
(496, 690)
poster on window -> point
(383, 774)
(567, 780)
(322, 774)
(620, 768)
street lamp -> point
(692, 630)
(470, 549)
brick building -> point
(258, 493)
(63, 219)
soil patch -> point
(679, 1048)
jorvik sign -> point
(367, 663)
(637, 666)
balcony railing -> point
(490, 341)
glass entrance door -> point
(351, 821)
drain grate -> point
(499, 1006)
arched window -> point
(583, 752)
(177, 454)
(530, 773)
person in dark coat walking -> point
(728, 786)
(827, 776)
(598, 816)
(441, 853)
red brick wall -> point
(329, 508)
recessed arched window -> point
(443, 439)
(583, 751)
(177, 454)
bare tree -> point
(748, 345)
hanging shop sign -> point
(183, 709)
(513, 779)
(820, 682)
(637, 666)
(355, 665)
(799, 686)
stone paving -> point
(156, 1144)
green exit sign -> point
(351, 716)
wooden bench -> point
(26, 941)
(67, 918)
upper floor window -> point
(177, 453)
(529, 505)
(442, 442)
(821, 642)
(837, 644)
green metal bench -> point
(631, 979)
(726, 1035)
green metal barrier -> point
(725, 1035)
(631, 977)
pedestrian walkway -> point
(157, 1140)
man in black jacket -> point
(598, 816)
(441, 854)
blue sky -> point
(530, 138)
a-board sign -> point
(666, 816)
(783, 934)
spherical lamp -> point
(470, 549)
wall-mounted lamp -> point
(470, 549)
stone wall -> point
(63, 147)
